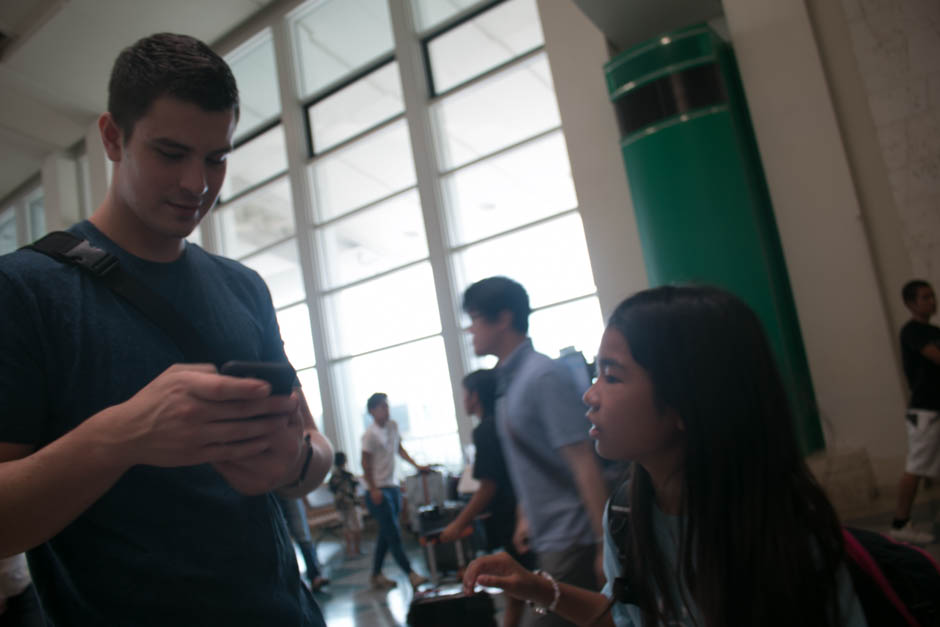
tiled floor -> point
(348, 601)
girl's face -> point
(627, 424)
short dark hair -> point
(339, 458)
(490, 297)
(910, 289)
(166, 64)
(375, 400)
(483, 382)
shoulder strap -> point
(618, 523)
(105, 267)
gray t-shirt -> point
(540, 411)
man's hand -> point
(191, 415)
(376, 495)
(277, 465)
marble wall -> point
(897, 48)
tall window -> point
(510, 202)
(381, 313)
(255, 220)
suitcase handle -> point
(435, 536)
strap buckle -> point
(97, 261)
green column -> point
(702, 206)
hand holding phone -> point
(281, 376)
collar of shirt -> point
(508, 367)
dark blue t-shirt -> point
(164, 546)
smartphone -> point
(281, 376)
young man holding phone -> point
(141, 487)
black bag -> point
(442, 607)
(897, 584)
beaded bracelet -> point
(541, 609)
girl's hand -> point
(501, 571)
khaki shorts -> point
(923, 443)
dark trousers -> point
(386, 515)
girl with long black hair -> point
(727, 527)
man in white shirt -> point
(381, 444)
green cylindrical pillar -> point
(702, 207)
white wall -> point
(849, 338)
(576, 53)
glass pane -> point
(311, 386)
(503, 33)
(36, 210)
(337, 37)
(428, 13)
(550, 260)
(7, 232)
(415, 377)
(509, 190)
(391, 309)
(280, 268)
(295, 331)
(502, 110)
(356, 108)
(256, 74)
(374, 167)
(578, 324)
(388, 235)
(256, 220)
(256, 161)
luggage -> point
(444, 558)
(449, 607)
(422, 489)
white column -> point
(415, 91)
(61, 192)
(849, 340)
(577, 51)
(99, 167)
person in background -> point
(495, 495)
(343, 485)
(551, 461)
(299, 528)
(920, 355)
(381, 446)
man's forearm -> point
(367, 471)
(481, 498)
(42, 493)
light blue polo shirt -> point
(539, 411)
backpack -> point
(897, 584)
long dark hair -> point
(760, 544)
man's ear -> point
(504, 319)
(111, 136)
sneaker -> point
(907, 533)
(416, 579)
(380, 581)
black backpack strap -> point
(618, 523)
(105, 267)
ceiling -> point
(55, 58)
(627, 23)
